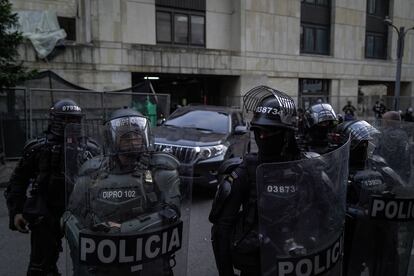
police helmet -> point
(272, 108)
(320, 113)
(359, 130)
(128, 132)
(63, 112)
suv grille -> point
(183, 154)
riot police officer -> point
(42, 169)
(370, 244)
(319, 121)
(273, 126)
(129, 196)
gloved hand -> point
(294, 249)
(20, 223)
(169, 214)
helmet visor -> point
(361, 131)
(129, 135)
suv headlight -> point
(212, 151)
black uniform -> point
(370, 244)
(369, 241)
(234, 212)
(42, 168)
(130, 192)
(37, 191)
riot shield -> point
(301, 208)
(380, 218)
(128, 209)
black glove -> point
(169, 215)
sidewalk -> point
(5, 172)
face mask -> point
(319, 135)
(270, 143)
(358, 156)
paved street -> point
(14, 247)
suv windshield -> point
(200, 119)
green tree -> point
(12, 70)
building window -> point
(315, 39)
(315, 27)
(375, 45)
(180, 27)
(376, 31)
(371, 7)
(163, 27)
(197, 30)
(312, 91)
(69, 25)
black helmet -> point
(128, 132)
(64, 112)
(319, 113)
(271, 108)
(359, 130)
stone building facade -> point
(241, 43)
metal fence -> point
(363, 104)
(24, 112)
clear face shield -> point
(363, 141)
(58, 122)
(128, 136)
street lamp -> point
(400, 52)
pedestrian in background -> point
(408, 116)
(349, 109)
(379, 109)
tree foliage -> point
(12, 70)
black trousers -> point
(46, 244)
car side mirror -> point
(240, 130)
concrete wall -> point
(273, 26)
(223, 30)
(62, 7)
(348, 29)
(258, 40)
(138, 21)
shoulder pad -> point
(93, 146)
(219, 202)
(164, 160)
(378, 160)
(310, 154)
(91, 165)
(229, 165)
(393, 176)
(34, 144)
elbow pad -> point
(223, 191)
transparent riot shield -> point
(381, 217)
(301, 208)
(128, 209)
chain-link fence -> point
(24, 112)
